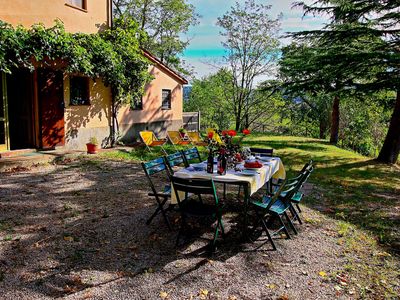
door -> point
(4, 138)
(51, 108)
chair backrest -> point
(262, 151)
(194, 136)
(194, 186)
(190, 154)
(277, 194)
(307, 165)
(173, 160)
(147, 137)
(153, 167)
(174, 137)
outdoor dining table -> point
(272, 168)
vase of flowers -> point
(228, 142)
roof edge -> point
(163, 66)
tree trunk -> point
(335, 121)
(391, 147)
(323, 125)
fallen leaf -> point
(203, 294)
(283, 297)
(163, 295)
(232, 298)
(271, 286)
(68, 238)
(322, 274)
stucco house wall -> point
(153, 116)
(29, 12)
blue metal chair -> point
(152, 168)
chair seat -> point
(157, 143)
(165, 193)
(183, 143)
(263, 203)
(204, 144)
(196, 208)
(296, 197)
(278, 207)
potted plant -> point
(182, 132)
(92, 145)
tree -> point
(210, 98)
(251, 44)
(164, 22)
(353, 21)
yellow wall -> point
(28, 12)
(84, 121)
(152, 99)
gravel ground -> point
(77, 231)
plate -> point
(265, 158)
(252, 169)
(198, 167)
(247, 172)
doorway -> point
(20, 104)
(4, 136)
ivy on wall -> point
(113, 54)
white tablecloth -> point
(271, 169)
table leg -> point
(246, 207)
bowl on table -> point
(253, 165)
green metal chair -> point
(151, 169)
(191, 154)
(299, 180)
(261, 151)
(191, 207)
(274, 206)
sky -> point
(205, 41)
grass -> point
(350, 187)
(140, 154)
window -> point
(137, 104)
(78, 3)
(166, 99)
(79, 91)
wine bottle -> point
(221, 166)
(210, 163)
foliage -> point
(365, 37)
(251, 43)
(113, 54)
(164, 22)
(209, 96)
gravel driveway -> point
(77, 231)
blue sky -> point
(205, 46)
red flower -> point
(224, 132)
(246, 131)
(210, 135)
(232, 132)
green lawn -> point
(349, 186)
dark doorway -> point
(20, 109)
(51, 108)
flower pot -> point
(91, 148)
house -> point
(46, 108)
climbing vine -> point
(113, 54)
